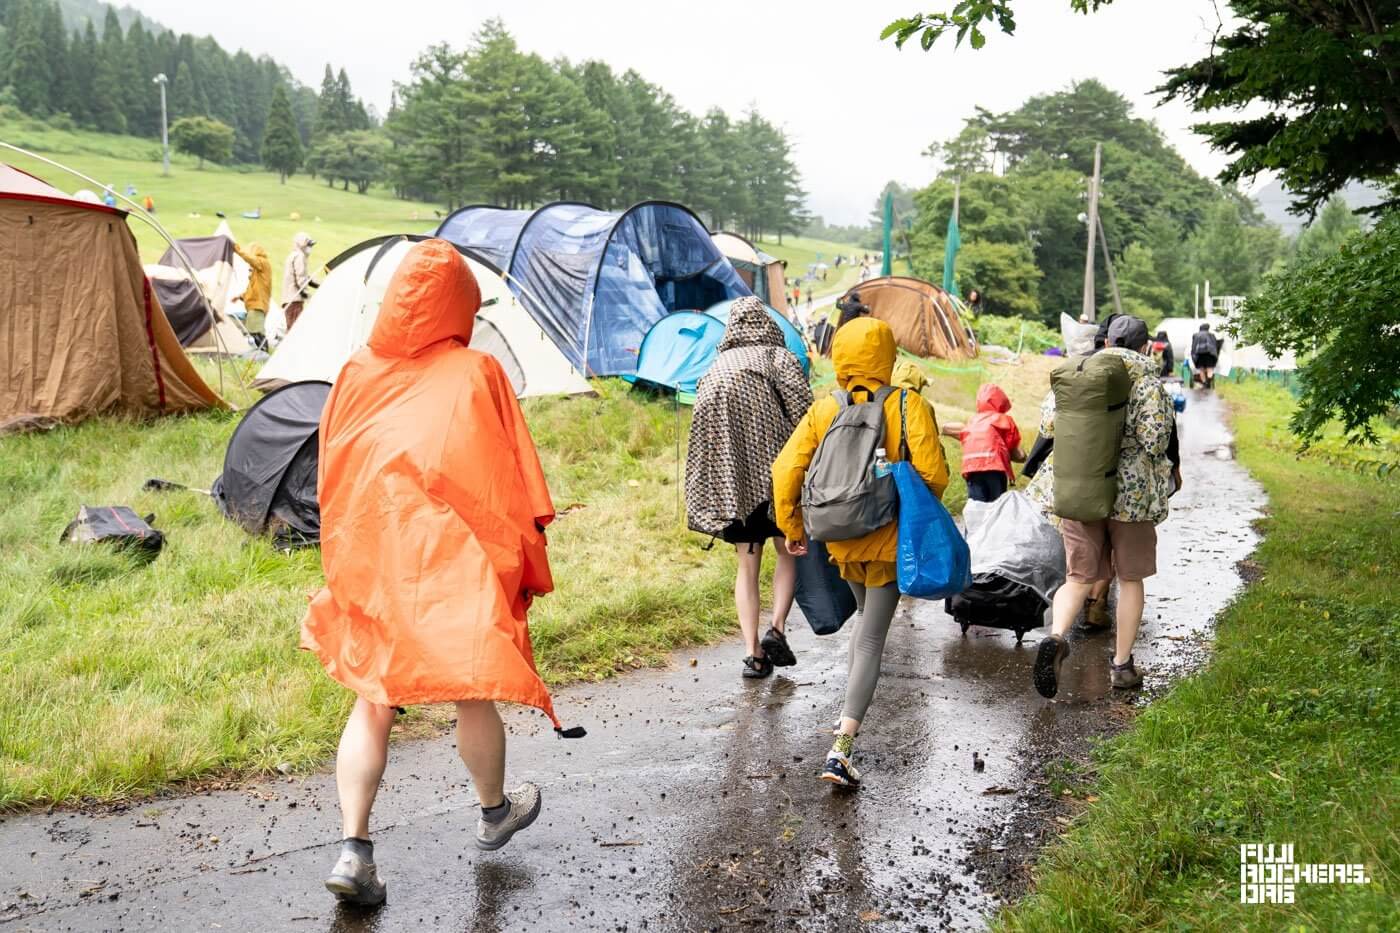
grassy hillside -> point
(802, 252)
(186, 202)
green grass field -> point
(186, 202)
(1290, 735)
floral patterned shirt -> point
(1144, 472)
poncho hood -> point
(863, 353)
(432, 297)
(750, 326)
(990, 397)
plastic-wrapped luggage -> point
(1018, 561)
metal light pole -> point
(160, 79)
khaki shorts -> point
(1104, 549)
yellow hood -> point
(863, 353)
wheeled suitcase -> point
(996, 602)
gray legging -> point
(877, 606)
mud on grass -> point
(1291, 734)
(118, 679)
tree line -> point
(488, 123)
(1022, 180)
(496, 124)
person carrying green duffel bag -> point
(1112, 423)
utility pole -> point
(160, 80)
(1090, 312)
(1108, 264)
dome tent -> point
(766, 275)
(222, 277)
(925, 319)
(341, 313)
(83, 330)
(269, 478)
(596, 281)
(680, 348)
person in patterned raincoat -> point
(746, 407)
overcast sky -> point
(858, 111)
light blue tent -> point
(680, 348)
(597, 281)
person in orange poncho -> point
(433, 509)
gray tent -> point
(269, 479)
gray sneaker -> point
(355, 880)
(525, 803)
(1125, 676)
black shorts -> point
(986, 485)
(755, 529)
(1204, 360)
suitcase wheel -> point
(965, 626)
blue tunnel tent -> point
(596, 281)
(680, 348)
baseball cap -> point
(1127, 331)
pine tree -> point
(139, 67)
(182, 99)
(28, 71)
(327, 111)
(281, 145)
(84, 73)
(55, 38)
(108, 95)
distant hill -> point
(1273, 200)
(76, 14)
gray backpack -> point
(842, 499)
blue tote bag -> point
(933, 561)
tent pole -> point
(140, 212)
(678, 454)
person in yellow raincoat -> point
(433, 510)
(259, 291)
(863, 352)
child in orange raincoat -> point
(433, 509)
(990, 441)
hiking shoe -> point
(1124, 676)
(840, 771)
(1096, 617)
(757, 668)
(355, 880)
(1048, 660)
(775, 649)
(525, 803)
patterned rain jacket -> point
(1144, 472)
(745, 409)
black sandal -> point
(775, 648)
(757, 668)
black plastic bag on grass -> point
(116, 525)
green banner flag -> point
(950, 257)
(889, 226)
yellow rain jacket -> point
(259, 291)
(863, 353)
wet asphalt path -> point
(692, 804)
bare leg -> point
(481, 743)
(1069, 599)
(359, 764)
(784, 586)
(1131, 600)
(746, 595)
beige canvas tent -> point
(925, 319)
(81, 330)
(764, 275)
(222, 277)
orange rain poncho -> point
(433, 507)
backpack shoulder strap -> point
(882, 393)
(843, 398)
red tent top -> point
(19, 185)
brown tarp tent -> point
(925, 319)
(766, 276)
(81, 331)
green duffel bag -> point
(1091, 405)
